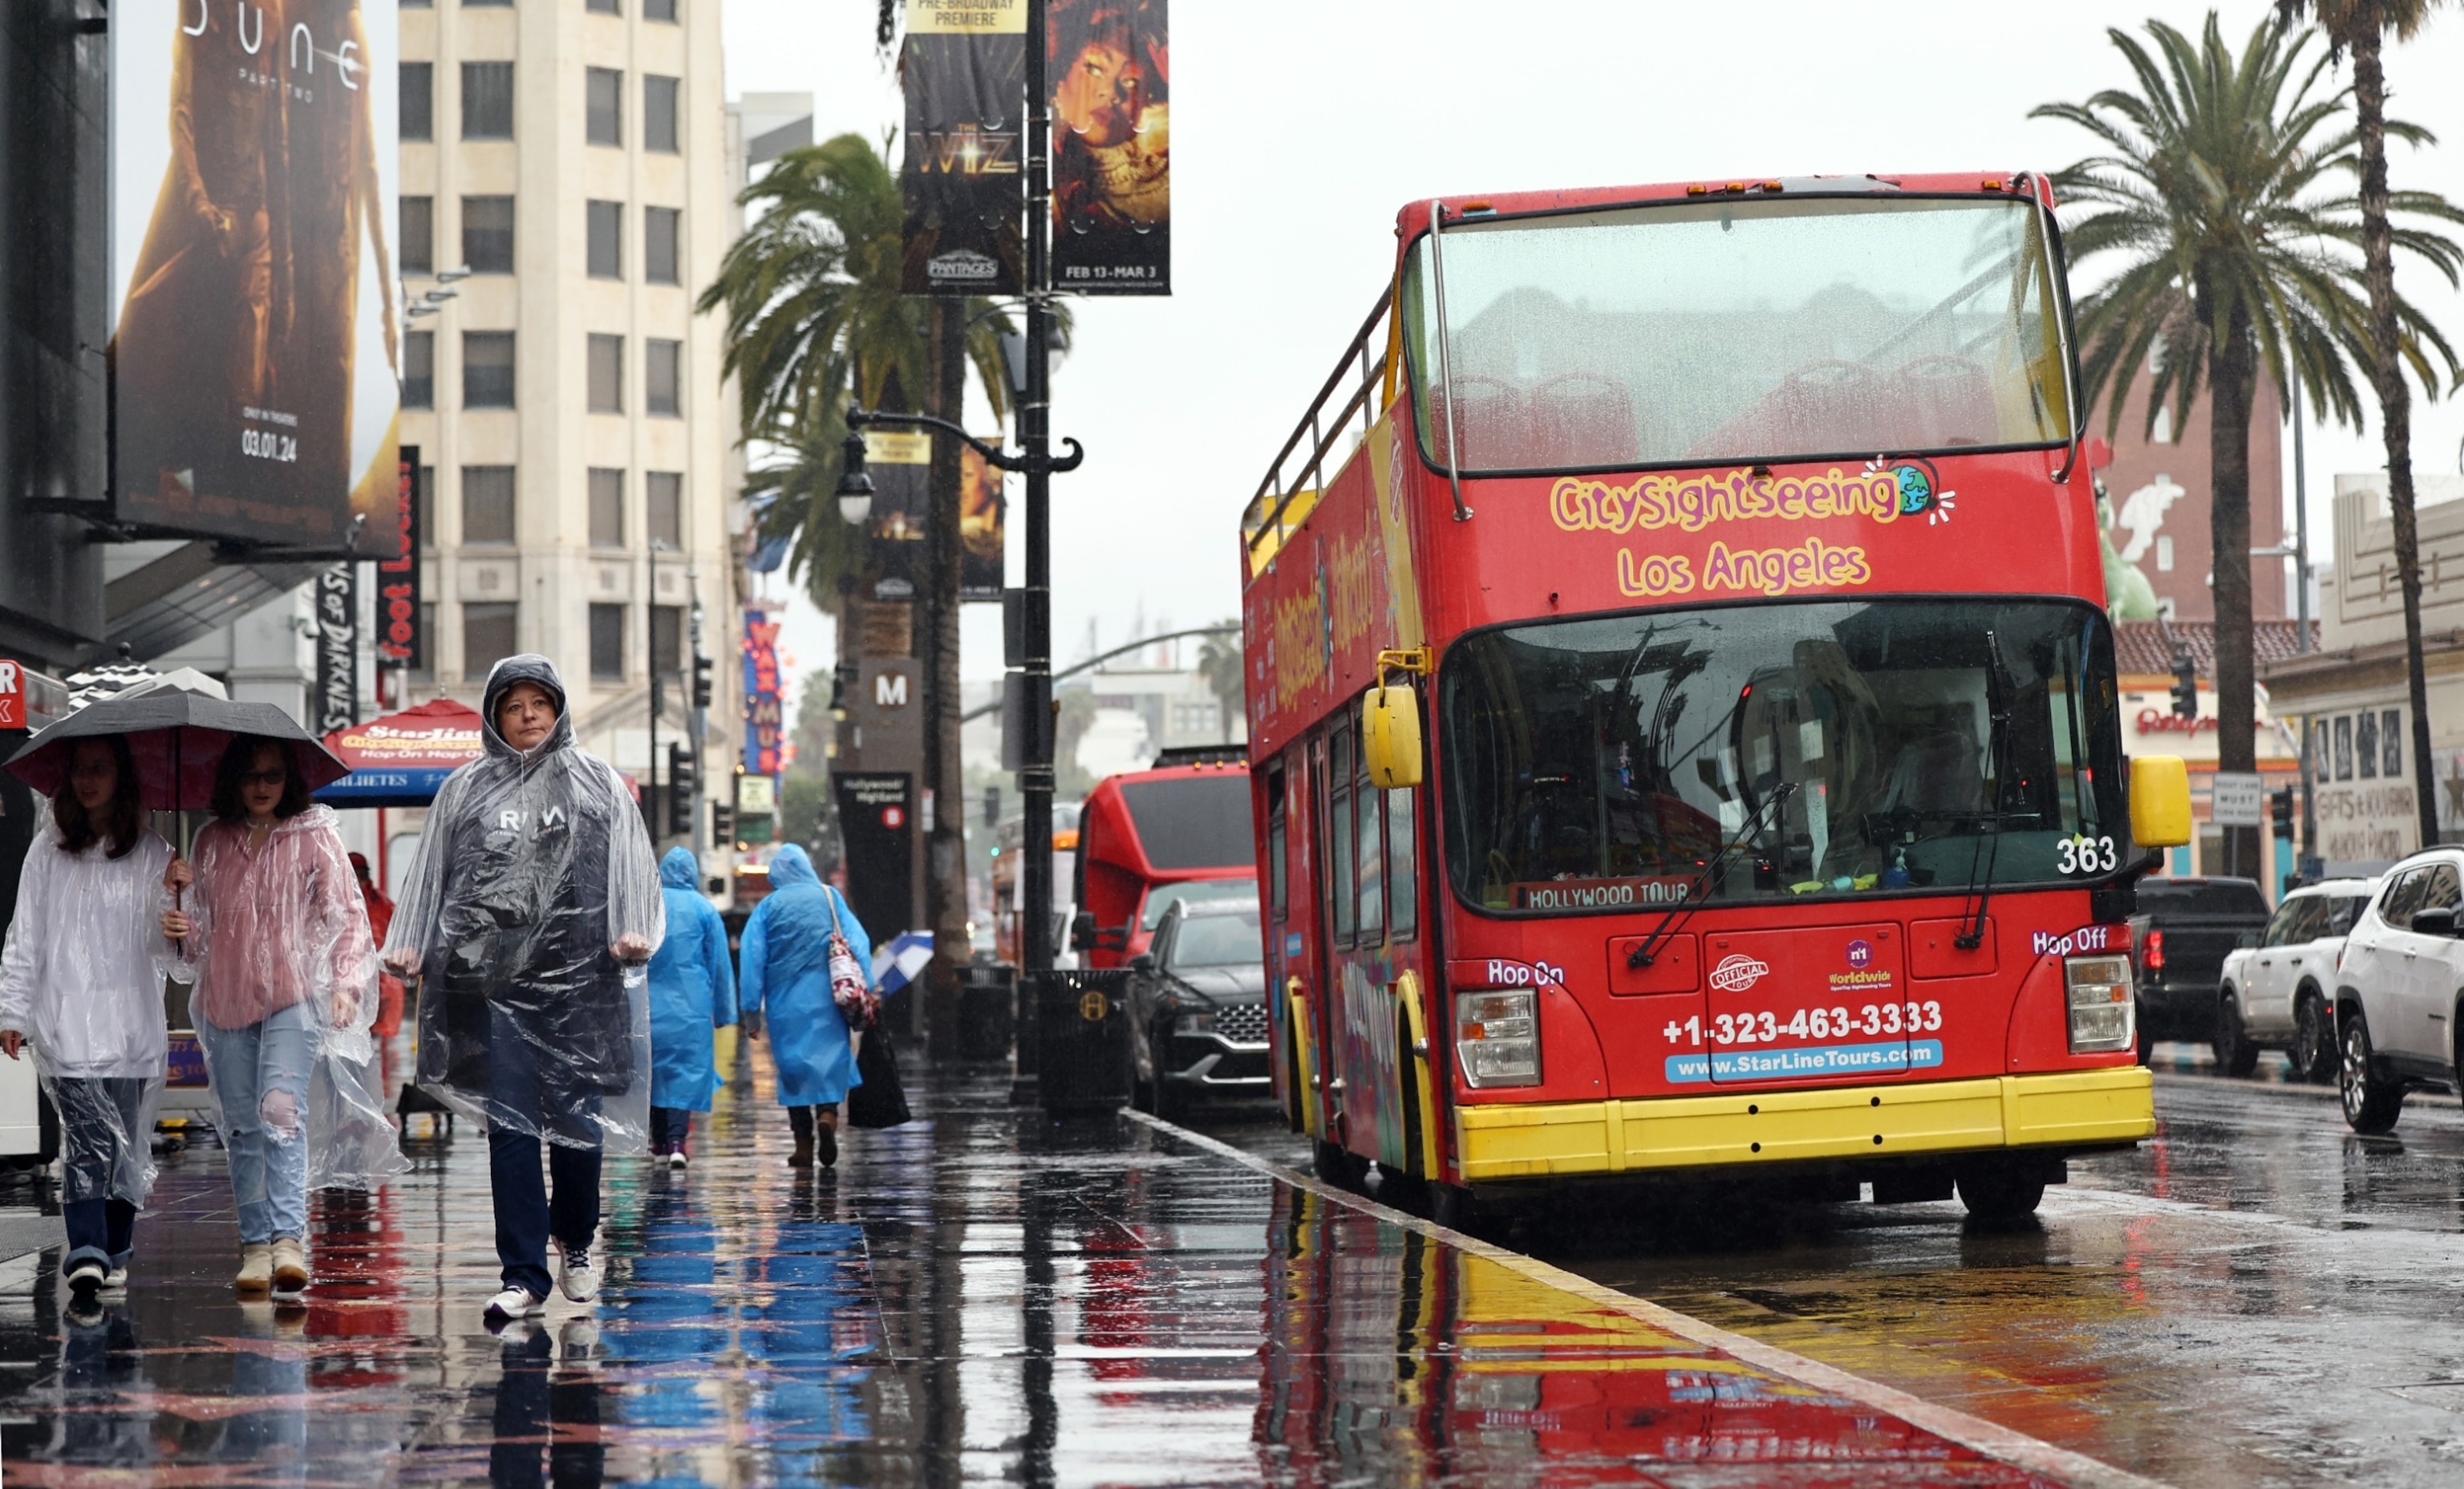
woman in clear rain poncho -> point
(277, 937)
(786, 958)
(81, 982)
(530, 907)
(692, 992)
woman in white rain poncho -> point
(286, 970)
(530, 906)
(81, 983)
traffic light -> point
(722, 824)
(683, 771)
(701, 693)
(2279, 803)
(992, 806)
(2186, 687)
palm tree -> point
(2218, 193)
(2359, 27)
(816, 320)
(1219, 662)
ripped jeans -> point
(260, 1080)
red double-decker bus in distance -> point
(1147, 839)
(1682, 709)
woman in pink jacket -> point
(279, 935)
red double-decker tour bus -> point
(1681, 711)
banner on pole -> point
(762, 720)
(983, 513)
(1110, 67)
(397, 639)
(901, 463)
(338, 648)
(964, 176)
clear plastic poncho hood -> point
(532, 865)
(283, 926)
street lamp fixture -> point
(855, 482)
(994, 455)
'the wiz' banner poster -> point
(256, 341)
(1108, 64)
(965, 66)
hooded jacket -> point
(692, 990)
(533, 863)
(787, 970)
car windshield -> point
(1201, 891)
(1743, 330)
(1193, 822)
(1780, 751)
(1217, 941)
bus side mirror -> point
(1390, 737)
(2159, 801)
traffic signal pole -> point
(1035, 776)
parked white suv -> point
(2400, 989)
(2275, 993)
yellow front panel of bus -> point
(2079, 1108)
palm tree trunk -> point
(945, 861)
(2396, 399)
(2232, 369)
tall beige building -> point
(574, 156)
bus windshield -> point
(1778, 750)
(1743, 330)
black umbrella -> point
(178, 738)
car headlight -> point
(1497, 1036)
(2104, 1014)
(1194, 1021)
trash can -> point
(987, 1010)
(1083, 1021)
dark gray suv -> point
(1197, 1008)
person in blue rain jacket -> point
(692, 992)
(787, 961)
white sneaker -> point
(116, 1279)
(676, 1158)
(577, 1275)
(516, 1303)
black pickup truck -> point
(2179, 940)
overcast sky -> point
(1298, 130)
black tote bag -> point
(880, 1101)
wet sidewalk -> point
(977, 1296)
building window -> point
(419, 370)
(487, 369)
(487, 638)
(488, 235)
(487, 100)
(418, 234)
(607, 508)
(487, 505)
(2343, 746)
(667, 639)
(2365, 745)
(2165, 554)
(427, 497)
(661, 227)
(417, 120)
(487, 5)
(659, 115)
(602, 93)
(607, 643)
(605, 221)
(607, 374)
(659, 10)
(666, 517)
(663, 377)
(2391, 742)
(603, 8)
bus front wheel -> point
(2000, 1196)
(1338, 1165)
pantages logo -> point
(1738, 971)
(962, 265)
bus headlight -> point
(1497, 1036)
(2102, 1013)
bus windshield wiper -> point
(1998, 704)
(1684, 909)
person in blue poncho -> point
(786, 961)
(692, 992)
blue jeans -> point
(522, 1106)
(260, 1080)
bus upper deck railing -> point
(1265, 516)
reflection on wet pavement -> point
(973, 1297)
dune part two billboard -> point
(256, 335)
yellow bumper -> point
(2077, 1108)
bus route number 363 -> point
(1815, 1023)
(2084, 855)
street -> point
(2256, 1296)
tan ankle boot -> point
(290, 1265)
(255, 1269)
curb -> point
(1995, 1441)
